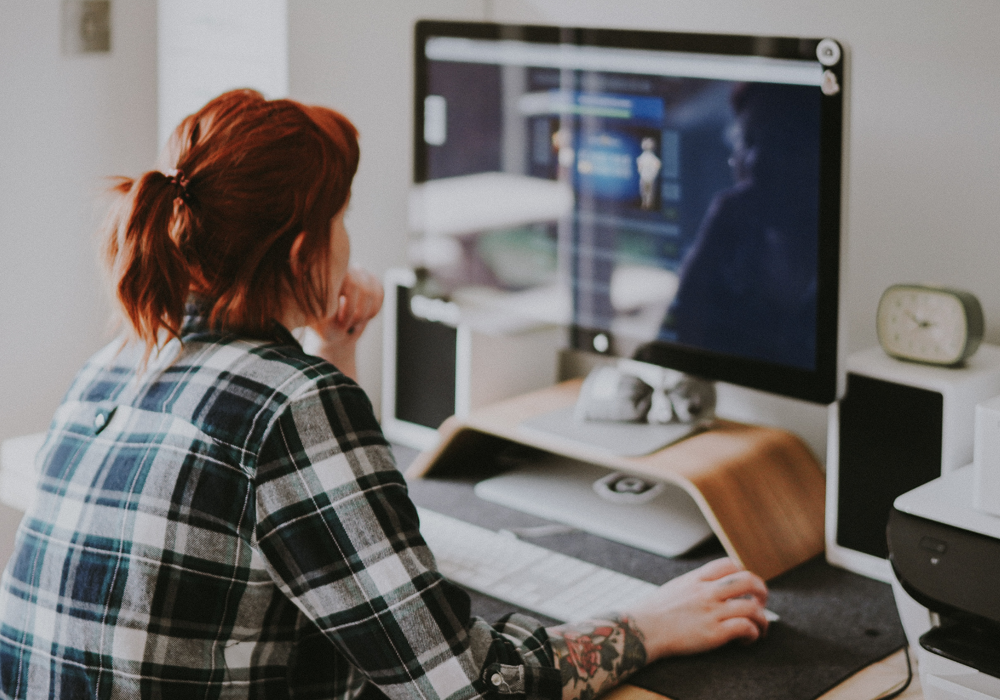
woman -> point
(219, 514)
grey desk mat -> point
(833, 623)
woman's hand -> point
(358, 301)
(702, 610)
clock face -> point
(924, 324)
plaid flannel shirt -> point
(230, 524)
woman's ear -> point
(294, 254)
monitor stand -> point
(760, 489)
(621, 439)
(648, 514)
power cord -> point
(906, 684)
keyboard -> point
(524, 574)
(500, 565)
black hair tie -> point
(178, 179)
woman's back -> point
(141, 567)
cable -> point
(909, 678)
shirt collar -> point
(198, 309)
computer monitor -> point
(672, 197)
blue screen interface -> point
(692, 185)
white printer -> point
(945, 556)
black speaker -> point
(425, 366)
(436, 365)
(899, 425)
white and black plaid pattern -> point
(230, 524)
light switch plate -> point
(86, 26)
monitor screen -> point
(672, 197)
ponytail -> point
(253, 175)
(150, 274)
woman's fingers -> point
(739, 628)
(360, 300)
(746, 608)
(717, 569)
(703, 609)
(732, 581)
(742, 584)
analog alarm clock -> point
(936, 325)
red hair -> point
(246, 177)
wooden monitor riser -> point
(760, 489)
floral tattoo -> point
(596, 655)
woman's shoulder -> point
(202, 359)
(242, 385)
(229, 388)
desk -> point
(871, 682)
(455, 498)
(765, 503)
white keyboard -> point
(524, 574)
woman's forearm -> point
(596, 655)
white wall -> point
(207, 47)
(924, 136)
(66, 123)
(923, 187)
(357, 57)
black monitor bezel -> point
(818, 385)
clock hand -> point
(920, 323)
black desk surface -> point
(833, 623)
